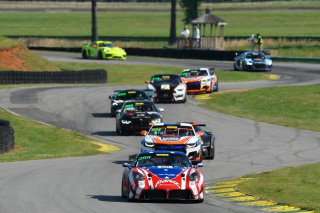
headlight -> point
(179, 88)
(125, 122)
(138, 176)
(269, 62)
(149, 144)
(114, 104)
(194, 176)
(249, 62)
(191, 145)
(158, 120)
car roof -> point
(174, 124)
(139, 101)
(198, 69)
(165, 74)
(254, 52)
(127, 90)
(103, 42)
(162, 152)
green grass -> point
(37, 141)
(150, 24)
(295, 186)
(137, 74)
(293, 106)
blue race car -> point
(252, 61)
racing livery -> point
(173, 137)
(103, 50)
(168, 87)
(136, 116)
(200, 80)
(208, 138)
(252, 61)
(121, 96)
(162, 175)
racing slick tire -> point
(235, 67)
(211, 153)
(100, 55)
(122, 192)
(84, 54)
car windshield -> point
(175, 131)
(165, 78)
(158, 160)
(139, 107)
(106, 45)
(255, 56)
(131, 95)
(194, 73)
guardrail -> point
(219, 55)
(50, 77)
(6, 136)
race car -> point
(208, 138)
(162, 175)
(135, 116)
(168, 87)
(200, 80)
(173, 137)
(103, 50)
(120, 96)
(252, 61)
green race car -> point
(103, 50)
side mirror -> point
(125, 165)
(199, 165)
(160, 109)
(199, 133)
(143, 132)
(110, 97)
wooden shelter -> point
(209, 40)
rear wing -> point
(193, 123)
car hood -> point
(166, 172)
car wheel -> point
(211, 153)
(100, 55)
(235, 67)
(84, 54)
(217, 87)
(122, 191)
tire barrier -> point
(50, 77)
(6, 136)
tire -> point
(235, 67)
(84, 54)
(100, 57)
(211, 154)
(122, 192)
(4, 123)
(217, 87)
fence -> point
(63, 77)
(6, 136)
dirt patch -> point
(10, 59)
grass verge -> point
(35, 141)
(295, 186)
(136, 74)
(293, 106)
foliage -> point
(190, 9)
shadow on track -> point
(101, 115)
(105, 133)
(108, 198)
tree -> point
(173, 26)
(190, 9)
(94, 27)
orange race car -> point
(200, 80)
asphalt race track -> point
(92, 184)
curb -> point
(228, 190)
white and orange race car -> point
(162, 175)
(200, 80)
(174, 137)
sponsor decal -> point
(146, 157)
(168, 181)
(163, 155)
(132, 92)
(170, 138)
